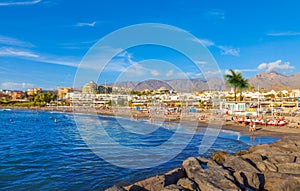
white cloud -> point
(66, 61)
(154, 73)
(200, 62)
(16, 85)
(262, 66)
(189, 75)
(17, 53)
(288, 33)
(120, 63)
(28, 55)
(12, 3)
(216, 13)
(210, 74)
(5, 40)
(226, 50)
(86, 24)
(169, 73)
(276, 65)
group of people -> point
(277, 121)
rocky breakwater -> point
(273, 166)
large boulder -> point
(188, 184)
(237, 163)
(115, 188)
(263, 167)
(248, 180)
(266, 165)
(289, 168)
(253, 158)
(215, 179)
(173, 187)
(282, 158)
(262, 149)
(202, 160)
(290, 142)
(219, 157)
(158, 182)
(282, 182)
(191, 166)
(242, 152)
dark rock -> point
(290, 143)
(213, 164)
(173, 176)
(203, 160)
(137, 188)
(263, 167)
(188, 184)
(191, 166)
(215, 179)
(248, 180)
(237, 163)
(210, 179)
(282, 182)
(174, 187)
(297, 157)
(289, 168)
(242, 152)
(253, 158)
(158, 182)
(266, 165)
(282, 158)
(152, 183)
(219, 157)
(261, 149)
(115, 188)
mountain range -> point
(267, 81)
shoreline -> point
(262, 131)
(274, 166)
(270, 131)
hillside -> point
(275, 81)
(266, 80)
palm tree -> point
(233, 79)
(243, 84)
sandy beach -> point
(227, 124)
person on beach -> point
(252, 127)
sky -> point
(43, 43)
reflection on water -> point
(43, 150)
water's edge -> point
(45, 150)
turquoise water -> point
(45, 151)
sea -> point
(43, 150)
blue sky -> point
(42, 42)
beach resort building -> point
(18, 96)
(34, 91)
(62, 92)
(90, 88)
